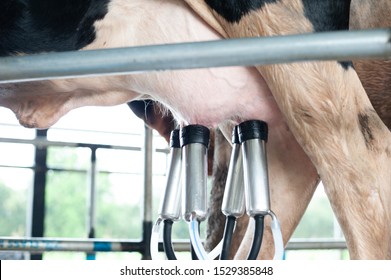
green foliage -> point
(66, 209)
(65, 205)
(68, 157)
(116, 219)
(317, 222)
(180, 230)
(66, 200)
(12, 211)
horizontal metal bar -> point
(80, 171)
(14, 125)
(100, 245)
(342, 45)
(316, 244)
(66, 245)
(43, 142)
(38, 244)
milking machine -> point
(170, 207)
(195, 143)
(233, 206)
(253, 137)
(246, 190)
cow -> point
(319, 116)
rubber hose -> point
(227, 239)
(258, 235)
(167, 243)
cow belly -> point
(211, 96)
(202, 96)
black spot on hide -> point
(329, 15)
(366, 131)
(346, 64)
(34, 26)
(234, 10)
(325, 15)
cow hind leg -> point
(375, 75)
(335, 123)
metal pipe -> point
(316, 244)
(340, 45)
(43, 142)
(147, 203)
(122, 245)
(91, 199)
(92, 195)
(36, 221)
(63, 245)
(147, 213)
(79, 245)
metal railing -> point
(340, 45)
(37, 244)
(126, 245)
